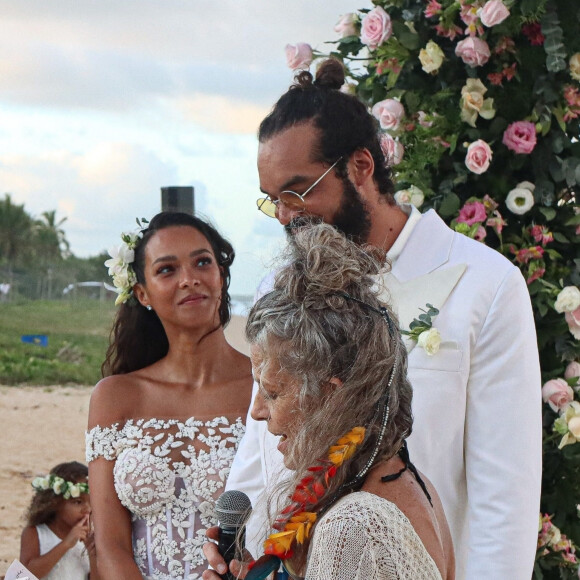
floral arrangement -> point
(120, 267)
(295, 521)
(422, 331)
(479, 107)
(59, 486)
(554, 546)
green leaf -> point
(408, 39)
(573, 221)
(561, 238)
(450, 205)
(549, 213)
(556, 169)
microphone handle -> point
(227, 547)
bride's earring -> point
(149, 307)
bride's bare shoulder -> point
(114, 398)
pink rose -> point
(389, 113)
(376, 28)
(573, 320)
(298, 56)
(392, 150)
(478, 157)
(520, 137)
(494, 12)
(471, 213)
(347, 25)
(473, 51)
(572, 370)
(557, 393)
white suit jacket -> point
(476, 403)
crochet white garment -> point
(168, 474)
(364, 536)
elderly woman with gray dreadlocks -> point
(331, 369)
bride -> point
(331, 369)
(165, 424)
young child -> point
(57, 543)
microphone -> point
(232, 510)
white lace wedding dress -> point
(365, 536)
(168, 474)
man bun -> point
(330, 74)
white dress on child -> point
(74, 565)
(168, 474)
(365, 536)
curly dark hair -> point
(344, 122)
(138, 338)
(45, 503)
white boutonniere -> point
(421, 330)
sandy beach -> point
(43, 426)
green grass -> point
(77, 341)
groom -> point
(476, 402)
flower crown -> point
(119, 265)
(59, 486)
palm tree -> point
(51, 236)
(15, 233)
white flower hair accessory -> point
(59, 486)
(120, 264)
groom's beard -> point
(352, 217)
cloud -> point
(106, 188)
(121, 55)
(103, 103)
(222, 114)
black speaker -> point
(177, 199)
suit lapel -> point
(420, 274)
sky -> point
(104, 102)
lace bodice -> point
(168, 474)
(365, 536)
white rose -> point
(121, 279)
(430, 340)
(574, 426)
(412, 195)
(575, 66)
(526, 185)
(473, 103)
(520, 200)
(568, 300)
(431, 57)
(40, 483)
(58, 485)
(74, 490)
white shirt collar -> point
(414, 217)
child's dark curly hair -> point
(45, 503)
